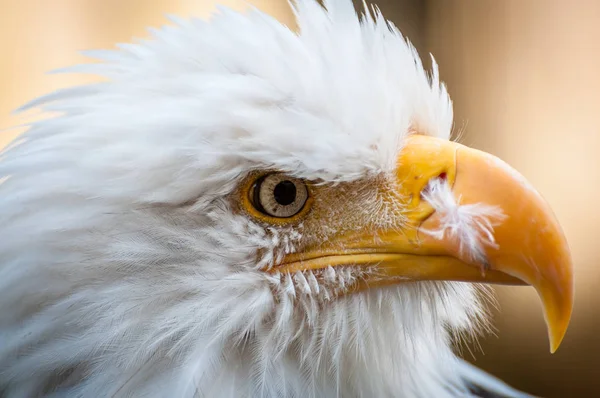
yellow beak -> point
(525, 247)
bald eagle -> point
(240, 210)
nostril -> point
(441, 178)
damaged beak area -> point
(468, 217)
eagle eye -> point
(278, 195)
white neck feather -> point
(192, 325)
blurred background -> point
(524, 77)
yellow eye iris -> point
(276, 198)
(279, 196)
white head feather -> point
(125, 272)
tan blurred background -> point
(524, 76)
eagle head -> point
(241, 210)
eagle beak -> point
(528, 243)
(521, 243)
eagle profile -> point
(240, 210)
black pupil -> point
(285, 193)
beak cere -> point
(525, 246)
